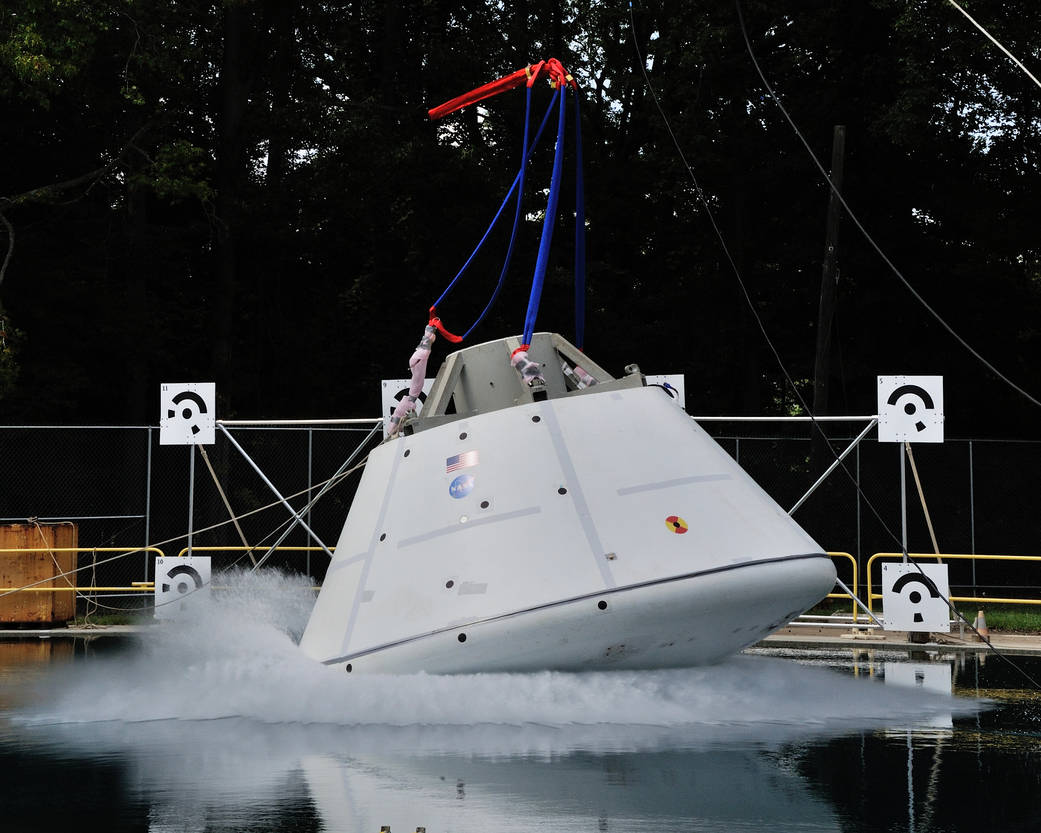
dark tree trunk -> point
(234, 94)
(283, 45)
(822, 456)
(829, 279)
(135, 278)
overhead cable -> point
(864, 231)
(994, 41)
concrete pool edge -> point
(813, 638)
(796, 637)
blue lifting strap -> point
(549, 220)
(516, 186)
(547, 228)
(519, 182)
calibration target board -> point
(181, 585)
(394, 390)
(674, 384)
(187, 414)
(910, 409)
(914, 597)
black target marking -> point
(910, 408)
(182, 586)
(188, 412)
(915, 596)
(400, 395)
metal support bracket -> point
(859, 603)
(271, 486)
(835, 465)
(328, 485)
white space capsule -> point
(560, 526)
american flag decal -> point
(461, 461)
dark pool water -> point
(219, 724)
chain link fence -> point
(123, 489)
(983, 497)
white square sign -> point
(914, 597)
(929, 676)
(180, 584)
(394, 390)
(187, 413)
(934, 677)
(910, 409)
(674, 386)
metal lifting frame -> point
(872, 422)
(328, 485)
(838, 460)
(858, 602)
(297, 517)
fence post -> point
(310, 480)
(191, 496)
(148, 496)
(859, 487)
(972, 519)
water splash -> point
(236, 657)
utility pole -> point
(829, 277)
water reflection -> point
(215, 776)
(708, 749)
(221, 725)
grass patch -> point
(108, 619)
(1013, 618)
(831, 607)
(1010, 618)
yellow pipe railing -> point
(856, 586)
(186, 550)
(871, 597)
(147, 586)
(128, 550)
(85, 590)
(137, 587)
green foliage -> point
(786, 403)
(10, 338)
(46, 43)
(107, 619)
(179, 171)
(1007, 618)
(266, 187)
(1004, 618)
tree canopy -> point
(250, 192)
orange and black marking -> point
(676, 524)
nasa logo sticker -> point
(461, 486)
(676, 524)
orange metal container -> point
(37, 562)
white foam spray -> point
(217, 718)
(237, 656)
